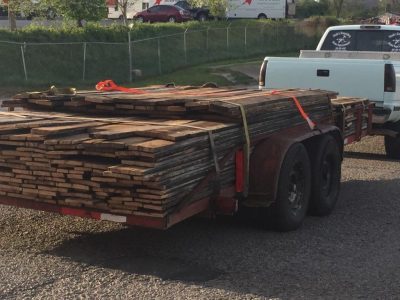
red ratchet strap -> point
(296, 101)
(110, 86)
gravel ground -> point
(354, 253)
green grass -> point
(197, 75)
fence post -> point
(84, 61)
(207, 43)
(130, 56)
(159, 55)
(245, 38)
(184, 45)
(23, 60)
(227, 36)
(263, 36)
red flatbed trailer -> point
(266, 163)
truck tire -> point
(392, 147)
(290, 208)
(326, 173)
(202, 17)
(261, 17)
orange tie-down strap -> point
(296, 101)
(110, 86)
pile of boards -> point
(150, 162)
(346, 112)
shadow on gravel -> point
(352, 253)
(145, 251)
(365, 155)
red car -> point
(163, 13)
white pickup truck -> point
(353, 60)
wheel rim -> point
(171, 20)
(296, 188)
(202, 18)
(140, 20)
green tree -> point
(358, 9)
(338, 7)
(392, 6)
(307, 8)
(80, 10)
(217, 7)
(24, 7)
(123, 6)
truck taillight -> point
(390, 78)
(261, 78)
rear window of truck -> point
(363, 40)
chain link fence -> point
(130, 60)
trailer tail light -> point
(261, 78)
(390, 78)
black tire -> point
(171, 19)
(202, 17)
(392, 147)
(326, 174)
(290, 208)
(261, 17)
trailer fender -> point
(267, 158)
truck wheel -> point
(202, 18)
(290, 208)
(261, 17)
(326, 173)
(392, 147)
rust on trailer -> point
(225, 204)
(268, 156)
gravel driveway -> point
(354, 253)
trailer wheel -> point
(326, 173)
(290, 208)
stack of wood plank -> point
(136, 164)
(346, 111)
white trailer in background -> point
(259, 9)
(114, 12)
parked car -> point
(163, 13)
(198, 13)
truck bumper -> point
(381, 115)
